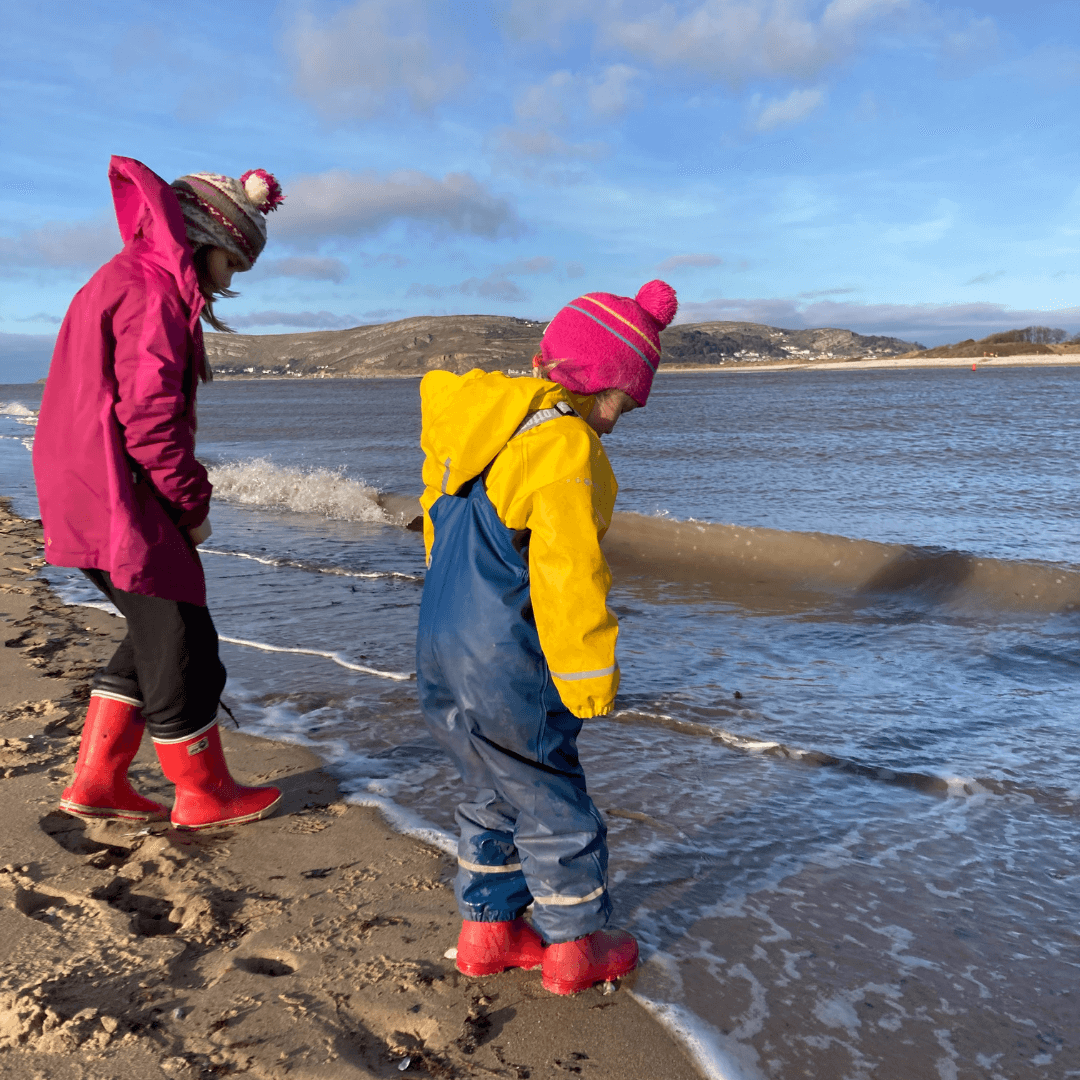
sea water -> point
(844, 827)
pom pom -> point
(658, 299)
(262, 189)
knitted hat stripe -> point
(654, 345)
(207, 225)
(242, 246)
(648, 363)
(230, 215)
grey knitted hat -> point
(228, 213)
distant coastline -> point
(1070, 359)
(408, 348)
(839, 365)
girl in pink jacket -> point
(123, 497)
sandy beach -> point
(881, 363)
(309, 945)
(891, 363)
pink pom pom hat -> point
(603, 342)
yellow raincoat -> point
(554, 480)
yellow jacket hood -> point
(468, 419)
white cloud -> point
(798, 105)
(817, 294)
(371, 56)
(932, 324)
(60, 244)
(341, 203)
(496, 286)
(546, 101)
(679, 262)
(736, 39)
(564, 96)
(612, 93)
(543, 20)
(311, 269)
(538, 264)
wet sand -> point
(308, 945)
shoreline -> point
(891, 363)
(876, 364)
(883, 363)
(311, 944)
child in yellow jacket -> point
(516, 645)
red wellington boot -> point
(206, 793)
(110, 740)
(486, 948)
(572, 966)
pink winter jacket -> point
(114, 451)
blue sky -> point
(903, 167)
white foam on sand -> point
(406, 822)
(259, 482)
(77, 591)
(337, 658)
(335, 571)
(703, 1041)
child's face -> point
(220, 267)
(608, 406)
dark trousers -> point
(168, 660)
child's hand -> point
(200, 532)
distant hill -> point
(1031, 341)
(494, 342)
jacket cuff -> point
(589, 697)
(192, 519)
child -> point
(123, 497)
(516, 645)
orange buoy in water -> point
(974, 367)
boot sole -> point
(243, 819)
(476, 970)
(107, 812)
(565, 987)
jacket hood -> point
(152, 225)
(468, 419)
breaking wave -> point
(745, 564)
(325, 492)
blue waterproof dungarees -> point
(530, 834)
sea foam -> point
(259, 482)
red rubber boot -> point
(572, 966)
(110, 740)
(206, 793)
(486, 948)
